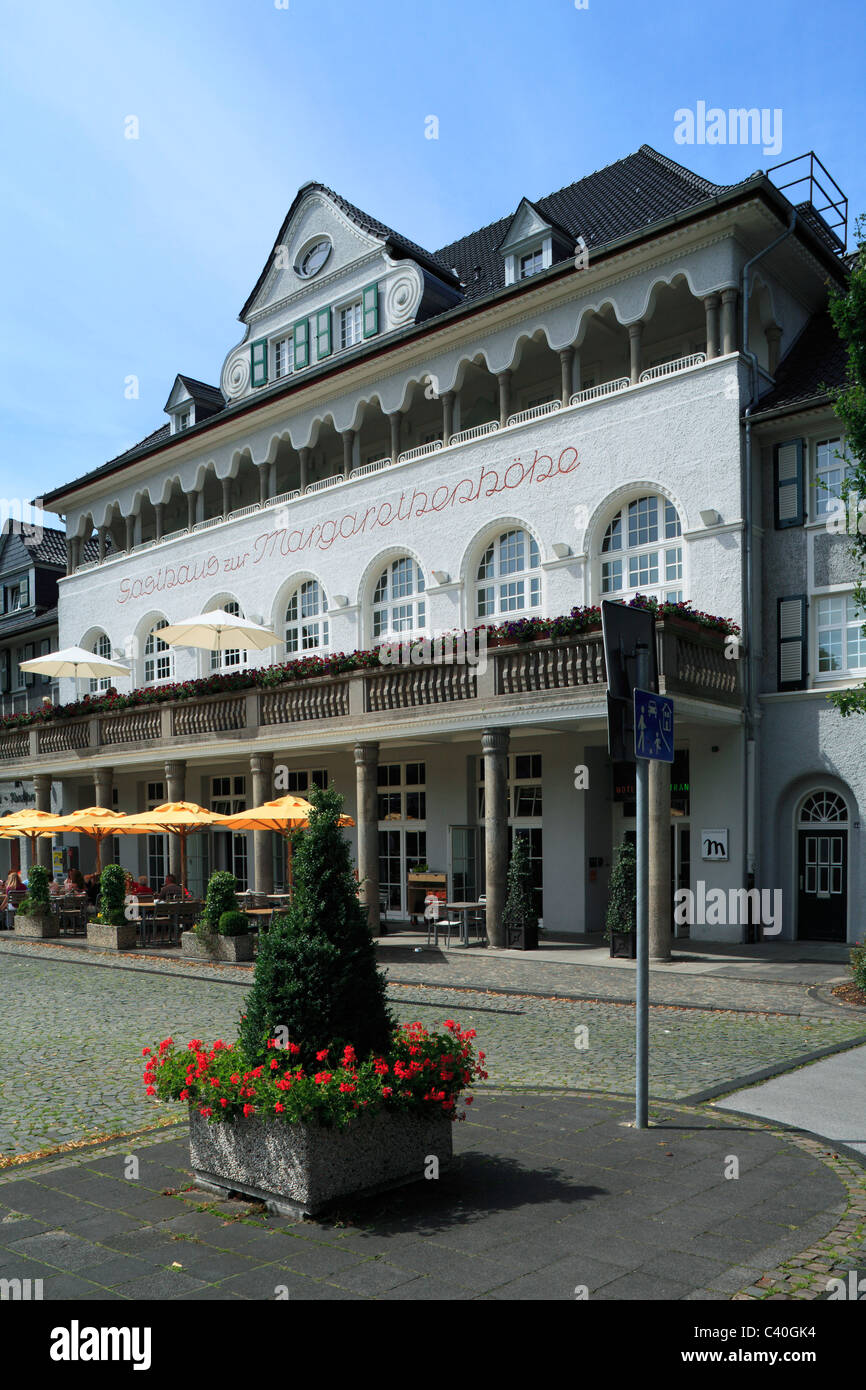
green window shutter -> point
(301, 332)
(370, 311)
(5, 671)
(29, 654)
(259, 362)
(789, 485)
(791, 621)
(323, 333)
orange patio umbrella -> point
(30, 823)
(182, 818)
(96, 821)
(284, 815)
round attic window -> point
(312, 257)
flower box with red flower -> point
(300, 1138)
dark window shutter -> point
(259, 362)
(44, 649)
(5, 671)
(789, 484)
(370, 310)
(301, 332)
(323, 333)
(792, 664)
(29, 653)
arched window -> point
(508, 580)
(642, 551)
(101, 647)
(234, 657)
(824, 808)
(306, 623)
(398, 600)
(157, 656)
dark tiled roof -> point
(200, 391)
(372, 224)
(27, 622)
(643, 188)
(816, 360)
(162, 433)
(51, 549)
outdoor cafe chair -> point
(435, 924)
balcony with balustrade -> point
(550, 680)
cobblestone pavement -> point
(488, 970)
(71, 1036)
(549, 1198)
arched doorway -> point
(822, 868)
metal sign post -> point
(654, 742)
(641, 1040)
(631, 665)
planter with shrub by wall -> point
(621, 920)
(34, 916)
(111, 929)
(224, 931)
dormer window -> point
(531, 263)
(183, 420)
(17, 596)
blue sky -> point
(133, 257)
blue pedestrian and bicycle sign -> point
(653, 726)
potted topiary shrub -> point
(519, 917)
(321, 1097)
(34, 916)
(223, 933)
(111, 928)
(621, 921)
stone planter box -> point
(301, 1169)
(230, 948)
(45, 925)
(122, 938)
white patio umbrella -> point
(218, 631)
(74, 662)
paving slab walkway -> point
(548, 1198)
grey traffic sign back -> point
(653, 726)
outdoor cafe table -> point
(464, 909)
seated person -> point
(74, 881)
(55, 887)
(171, 888)
(91, 888)
(12, 883)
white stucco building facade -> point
(407, 443)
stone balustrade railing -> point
(319, 699)
(132, 726)
(216, 716)
(404, 687)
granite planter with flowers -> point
(283, 1114)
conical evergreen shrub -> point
(519, 911)
(622, 892)
(316, 973)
